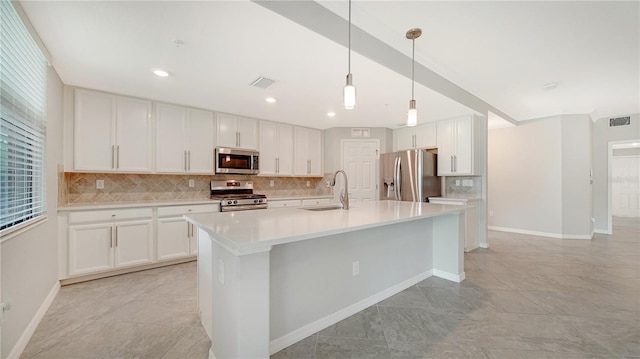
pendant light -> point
(349, 91)
(412, 114)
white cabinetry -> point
(307, 152)
(471, 233)
(184, 140)
(456, 146)
(111, 133)
(276, 148)
(315, 202)
(283, 203)
(237, 132)
(176, 237)
(103, 240)
(423, 136)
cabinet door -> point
(227, 131)
(133, 135)
(300, 151)
(133, 243)
(90, 248)
(426, 136)
(93, 136)
(269, 147)
(404, 138)
(314, 152)
(170, 146)
(193, 240)
(285, 149)
(173, 238)
(446, 146)
(200, 139)
(247, 133)
(463, 160)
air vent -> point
(262, 82)
(360, 132)
(620, 121)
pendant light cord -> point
(349, 37)
(413, 66)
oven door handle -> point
(243, 207)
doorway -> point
(623, 180)
(360, 162)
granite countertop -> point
(247, 232)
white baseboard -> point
(33, 324)
(540, 234)
(483, 245)
(449, 276)
(602, 231)
(293, 337)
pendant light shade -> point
(349, 92)
(412, 114)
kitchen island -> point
(269, 278)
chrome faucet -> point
(344, 195)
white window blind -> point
(23, 80)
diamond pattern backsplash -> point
(80, 188)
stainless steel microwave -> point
(234, 161)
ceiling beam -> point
(322, 21)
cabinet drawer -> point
(108, 215)
(280, 204)
(314, 202)
(170, 211)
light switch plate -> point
(271, 183)
(100, 184)
(192, 183)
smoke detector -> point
(262, 82)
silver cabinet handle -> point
(189, 152)
(277, 165)
(113, 156)
(110, 237)
(453, 168)
(116, 236)
(308, 166)
(237, 139)
(118, 156)
(185, 160)
(455, 161)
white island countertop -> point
(246, 232)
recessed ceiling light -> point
(160, 72)
(270, 100)
(550, 86)
(331, 114)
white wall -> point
(524, 177)
(30, 259)
(332, 144)
(576, 176)
(602, 134)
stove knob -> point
(260, 201)
(235, 201)
(229, 202)
(256, 201)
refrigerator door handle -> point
(398, 180)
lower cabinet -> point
(471, 233)
(176, 237)
(111, 241)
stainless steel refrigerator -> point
(409, 176)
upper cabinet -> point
(456, 146)
(276, 148)
(184, 140)
(423, 136)
(111, 133)
(307, 152)
(237, 132)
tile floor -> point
(526, 297)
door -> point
(170, 146)
(314, 151)
(200, 140)
(93, 131)
(227, 131)
(625, 186)
(268, 148)
(410, 171)
(300, 151)
(173, 238)
(133, 243)
(359, 161)
(90, 248)
(133, 135)
(247, 133)
(446, 146)
(405, 138)
(426, 136)
(285, 149)
(464, 146)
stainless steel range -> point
(237, 196)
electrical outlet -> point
(100, 184)
(457, 182)
(356, 268)
(272, 183)
(490, 213)
(192, 183)
(308, 184)
(221, 271)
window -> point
(23, 83)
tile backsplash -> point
(463, 187)
(80, 188)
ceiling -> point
(472, 56)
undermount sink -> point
(323, 208)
